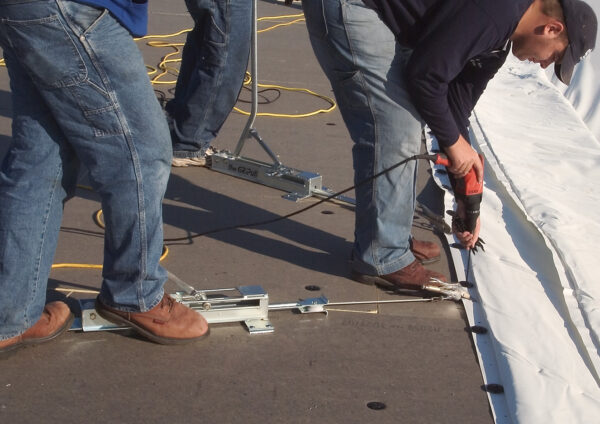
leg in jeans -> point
(36, 175)
(365, 66)
(74, 93)
(215, 57)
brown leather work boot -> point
(169, 322)
(426, 252)
(55, 320)
(411, 277)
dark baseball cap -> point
(582, 24)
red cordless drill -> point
(466, 189)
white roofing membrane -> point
(536, 290)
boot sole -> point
(118, 319)
(370, 280)
(374, 280)
(10, 350)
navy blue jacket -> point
(458, 46)
(133, 14)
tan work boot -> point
(169, 322)
(425, 252)
(55, 320)
(411, 277)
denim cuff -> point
(383, 268)
(122, 308)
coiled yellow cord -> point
(163, 68)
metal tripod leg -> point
(254, 85)
(299, 184)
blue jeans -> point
(366, 68)
(214, 61)
(80, 93)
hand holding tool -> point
(466, 189)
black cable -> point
(261, 94)
(270, 221)
(82, 232)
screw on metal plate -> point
(92, 316)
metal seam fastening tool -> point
(248, 304)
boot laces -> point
(167, 302)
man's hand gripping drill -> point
(468, 190)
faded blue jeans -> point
(80, 94)
(214, 61)
(365, 66)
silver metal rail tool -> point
(299, 184)
(247, 304)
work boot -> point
(169, 322)
(411, 277)
(55, 320)
(426, 252)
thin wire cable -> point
(289, 215)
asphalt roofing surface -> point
(407, 362)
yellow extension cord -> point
(165, 69)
